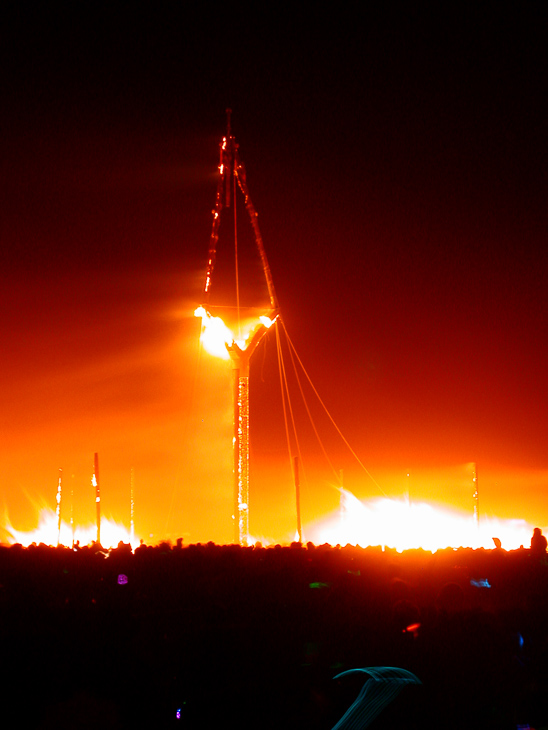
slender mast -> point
(240, 368)
(298, 497)
(95, 482)
(231, 178)
(476, 495)
(132, 509)
(58, 508)
(72, 510)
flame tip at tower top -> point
(218, 338)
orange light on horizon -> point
(47, 533)
(390, 523)
(403, 526)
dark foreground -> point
(217, 637)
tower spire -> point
(232, 177)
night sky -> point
(397, 159)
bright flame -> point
(47, 531)
(266, 321)
(216, 335)
(404, 526)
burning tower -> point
(251, 323)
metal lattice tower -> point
(232, 178)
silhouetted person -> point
(451, 598)
(538, 543)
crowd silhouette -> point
(205, 636)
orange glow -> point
(402, 525)
(216, 335)
(266, 321)
(46, 532)
(390, 523)
(127, 380)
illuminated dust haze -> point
(397, 160)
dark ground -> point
(253, 637)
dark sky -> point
(397, 159)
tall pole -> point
(476, 495)
(58, 508)
(95, 482)
(241, 456)
(240, 368)
(231, 178)
(72, 510)
(131, 509)
(342, 502)
(298, 497)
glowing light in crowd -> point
(47, 532)
(404, 526)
